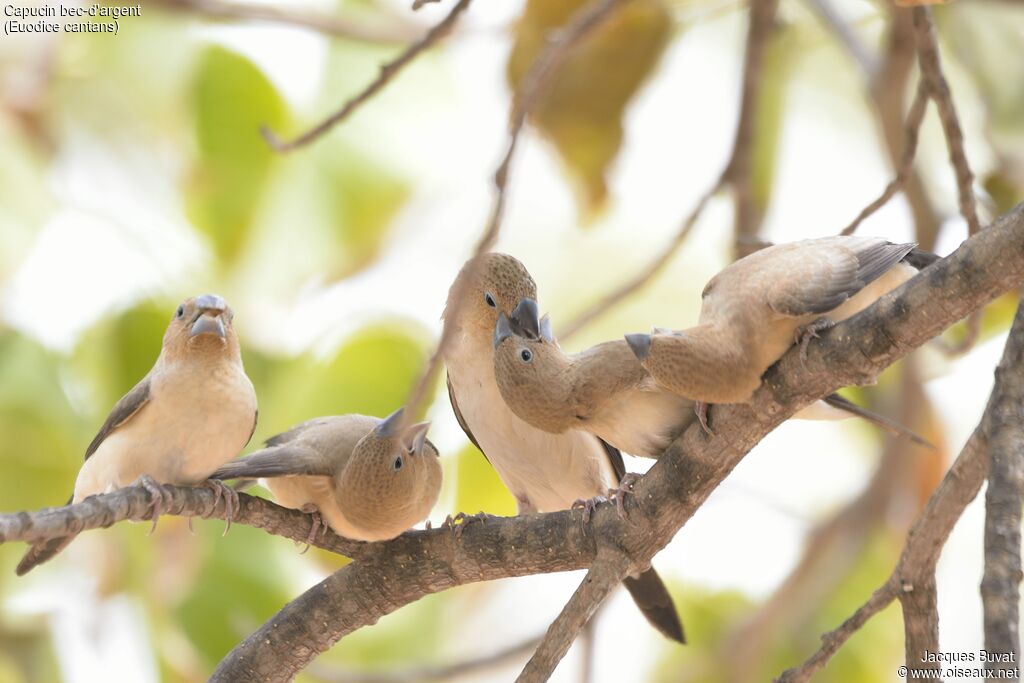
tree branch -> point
(604, 575)
(135, 503)
(533, 85)
(387, 72)
(1000, 584)
(913, 579)
(399, 31)
(386, 576)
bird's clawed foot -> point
(461, 520)
(619, 493)
(700, 409)
(811, 330)
(160, 497)
(316, 525)
(230, 496)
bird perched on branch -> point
(605, 390)
(543, 471)
(192, 412)
(759, 306)
(369, 479)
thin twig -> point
(397, 31)
(387, 72)
(736, 173)
(426, 674)
(853, 44)
(537, 79)
(931, 71)
(603, 576)
(644, 275)
(911, 133)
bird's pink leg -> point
(588, 506)
(619, 493)
(805, 333)
(230, 496)
(160, 497)
(700, 409)
(461, 520)
(316, 524)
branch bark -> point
(385, 576)
(1000, 584)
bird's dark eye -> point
(398, 463)
(490, 300)
(526, 355)
(180, 312)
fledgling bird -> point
(369, 479)
(603, 390)
(543, 471)
(756, 308)
(192, 412)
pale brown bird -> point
(756, 308)
(192, 412)
(543, 471)
(368, 479)
(603, 390)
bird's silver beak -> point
(641, 345)
(389, 426)
(526, 316)
(209, 317)
(415, 437)
(502, 330)
(546, 333)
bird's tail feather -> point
(652, 597)
(891, 426)
(42, 552)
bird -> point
(193, 411)
(755, 309)
(604, 389)
(543, 471)
(368, 478)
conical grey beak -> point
(502, 330)
(209, 317)
(415, 437)
(526, 316)
(546, 333)
(641, 345)
(389, 427)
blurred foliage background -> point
(132, 174)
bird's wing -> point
(462, 420)
(277, 461)
(816, 276)
(615, 458)
(124, 410)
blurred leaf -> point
(232, 99)
(479, 487)
(582, 109)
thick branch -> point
(387, 72)
(385, 576)
(1000, 584)
(604, 575)
(135, 503)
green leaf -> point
(232, 99)
(582, 109)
